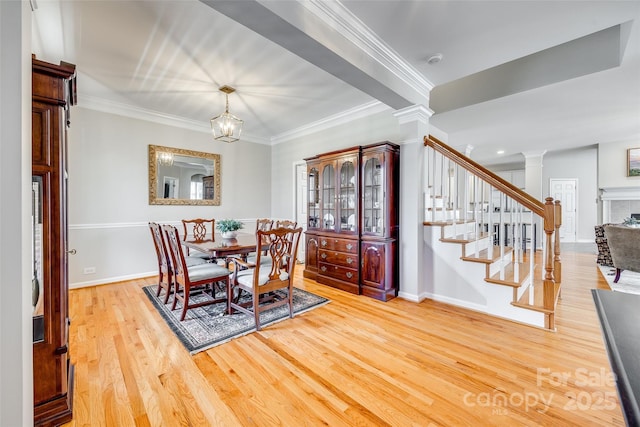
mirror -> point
(183, 177)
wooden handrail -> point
(525, 199)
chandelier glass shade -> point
(226, 127)
(165, 159)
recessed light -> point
(500, 151)
(434, 59)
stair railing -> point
(460, 190)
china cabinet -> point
(53, 92)
(352, 222)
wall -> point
(579, 164)
(108, 191)
(16, 348)
(612, 164)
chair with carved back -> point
(165, 272)
(199, 229)
(286, 223)
(190, 279)
(270, 284)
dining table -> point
(220, 248)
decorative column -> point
(414, 125)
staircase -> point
(482, 244)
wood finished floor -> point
(353, 362)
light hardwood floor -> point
(352, 362)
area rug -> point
(208, 326)
(629, 281)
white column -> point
(533, 184)
(414, 123)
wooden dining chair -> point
(264, 280)
(199, 229)
(197, 278)
(286, 223)
(165, 272)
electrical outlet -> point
(89, 270)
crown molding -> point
(126, 110)
(121, 109)
(341, 19)
(343, 117)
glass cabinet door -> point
(373, 198)
(328, 197)
(348, 201)
(313, 201)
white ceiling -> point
(298, 64)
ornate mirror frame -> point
(154, 151)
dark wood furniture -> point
(208, 187)
(262, 279)
(619, 319)
(53, 92)
(188, 279)
(218, 247)
(353, 223)
(198, 229)
(165, 269)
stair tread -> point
(487, 257)
(468, 238)
(509, 276)
(538, 295)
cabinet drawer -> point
(339, 258)
(339, 245)
(337, 272)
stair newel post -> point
(557, 265)
(549, 282)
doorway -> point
(566, 191)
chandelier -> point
(165, 158)
(226, 127)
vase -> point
(229, 234)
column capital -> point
(533, 154)
(413, 113)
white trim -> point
(343, 117)
(620, 193)
(106, 225)
(413, 113)
(341, 19)
(111, 280)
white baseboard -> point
(107, 280)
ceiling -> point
(518, 76)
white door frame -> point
(302, 222)
(575, 201)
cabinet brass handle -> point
(60, 350)
(349, 274)
(323, 256)
(324, 243)
(349, 260)
(349, 246)
(323, 268)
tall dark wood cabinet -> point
(352, 219)
(53, 92)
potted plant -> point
(229, 227)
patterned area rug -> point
(629, 281)
(206, 327)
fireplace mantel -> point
(619, 203)
(620, 193)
